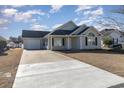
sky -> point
(14, 19)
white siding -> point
(94, 31)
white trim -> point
(68, 43)
(65, 35)
(51, 43)
(48, 43)
(81, 42)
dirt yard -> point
(108, 60)
(9, 62)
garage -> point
(33, 40)
(32, 43)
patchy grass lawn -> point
(9, 62)
(112, 61)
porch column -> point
(48, 43)
(68, 43)
(51, 46)
(80, 42)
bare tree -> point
(109, 22)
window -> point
(92, 40)
(96, 40)
(63, 41)
(58, 41)
(86, 41)
(91, 35)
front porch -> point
(73, 42)
(63, 42)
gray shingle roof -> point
(83, 30)
(80, 30)
(65, 29)
(34, 34)
(63, 32)
(69, 28)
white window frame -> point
(91, 38)
(58, 42)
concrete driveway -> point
(44, 68)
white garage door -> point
(32, 43)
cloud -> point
(9, 12)
(84, 22)
(84, 7)
(22, 16)
(25, 16)
(87, 12)
(33, 20)
(55, 26)
(39, 27)
(3, 22)
(94, 14)
(97, 12)
(55, 8)
(76, 19)
(17, 6)
(39, 12)
(4, 28)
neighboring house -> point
(14, 45)
(69, 36)
(11, 44)
(116, 35)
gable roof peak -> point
(70, 22)
(83, 25)
(65, 26)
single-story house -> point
(116, 35)
(68, 36)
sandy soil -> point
(9, 62)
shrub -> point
(3, 44)
(107, 41)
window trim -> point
(58, 42)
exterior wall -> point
(117, 36)
(88, 46)
(49, 43)
(75, 42)
(44, 43)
